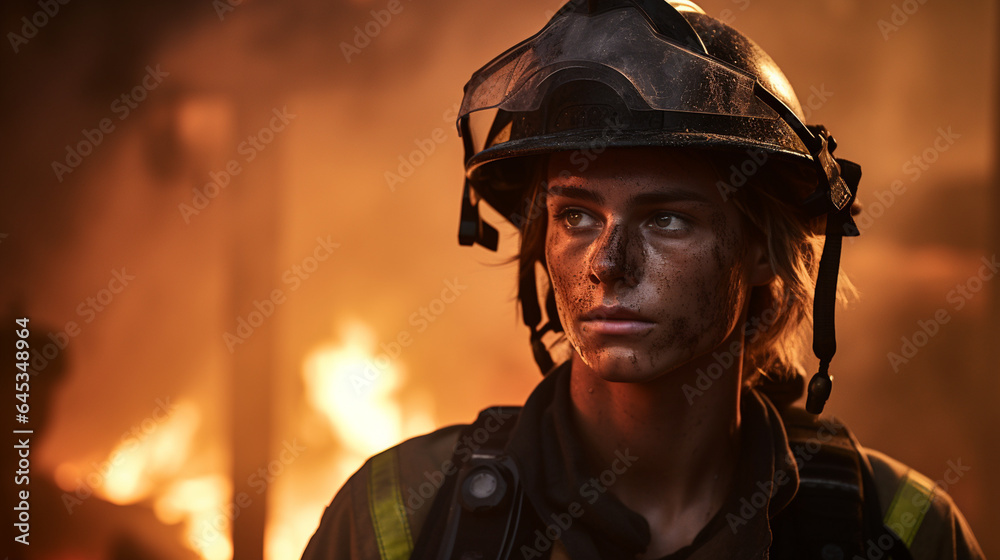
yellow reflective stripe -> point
(909, 505)
(392, 528)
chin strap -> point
(838, 225)
(531, 314)
(835, 192)
(471, 227)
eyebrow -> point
(641, 199)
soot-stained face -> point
(651, 267)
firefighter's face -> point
(651, 267)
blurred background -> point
(232, 225)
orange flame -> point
(357, 396)
(151, 468)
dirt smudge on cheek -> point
(574, 290)
(678, 335)
(729, 253)
(635, 255)
(701, 299)
(727, 242)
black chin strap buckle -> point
(838, 182)
(820, 387)
(541, 354)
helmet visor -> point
(620, 49)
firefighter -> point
(689, 226)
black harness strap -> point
(836, 512)
(477, 514)
(824, 520)
(480, 512)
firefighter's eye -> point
(667, 221)
(575, 218)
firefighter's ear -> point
(760, 270)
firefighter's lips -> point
(615, 321)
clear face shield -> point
(620, 49)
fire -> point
(137, 464)
(151, 467)
(197, 503)
(353, 393)
(357, 395)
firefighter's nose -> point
(613, 261)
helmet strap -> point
(471, 227)
(838, 224)
(531, 314)
(835, 193)
(824, 326)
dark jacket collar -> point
(557, 481)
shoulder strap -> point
(836, 511)
(478, 511)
